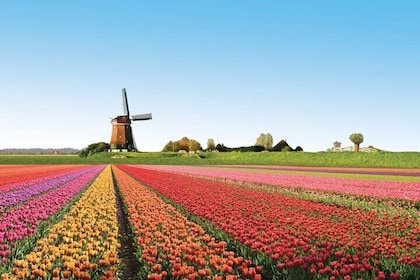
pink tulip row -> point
(346, 170)
(20, 222)
(373, 188)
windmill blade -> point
(134, 144)
(142, 117)
(125, 102)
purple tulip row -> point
(373, 188)
(24, 193)
(21, 222)
(28, 179)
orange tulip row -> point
(26, 174)
(174, 247)
(83, 245)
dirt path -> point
(130, 266)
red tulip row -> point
(375, 188)
(326, 240)
(21, 174)
(174, 247)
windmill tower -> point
(122, 134)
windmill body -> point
(122, 135)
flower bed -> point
(194, 227)
(20, 222)
(10, 197)
(10, 174)
(373, 188)
(83, 245)
(326, 240)
(174, 247)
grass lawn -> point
(341, 159)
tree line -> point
(264, 142)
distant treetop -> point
(184, 144)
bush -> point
(93, 149)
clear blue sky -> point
(311, 72)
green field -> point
(342, 159)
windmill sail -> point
(125, 102)
(141, 117)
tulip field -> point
(188, 222)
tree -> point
(221, 147)
(182, 144)
(210, 144)
(172, 146)
(337, 144)
(265, 140)
(169, 147)
(93, 149)
(357, 139)
(193, 145)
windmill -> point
(122, 134)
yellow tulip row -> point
(83, 245)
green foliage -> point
(223, 148)
(356, 138)
(265, 141)
(93, 149)
(255, 148)
(193, 145)
(184, 144)
(210, 145)
(172, 146)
